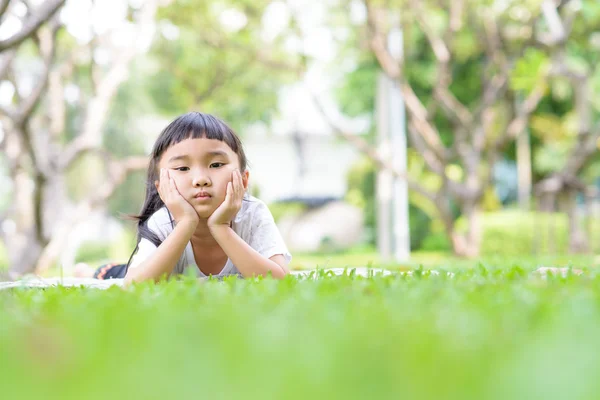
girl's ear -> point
(245, 176)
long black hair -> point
(193, 125)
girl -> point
(196, 215)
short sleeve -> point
(159, 224)
(265, 237)
(145, 249)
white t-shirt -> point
(253, 223)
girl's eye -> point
(181, 169)
(216, 165)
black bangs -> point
(195, 125)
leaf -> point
(529, 70)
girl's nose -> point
(201, 180)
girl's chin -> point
(204, 212)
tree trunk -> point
(472, 213)
(578, 240)
(468, 244)
(19, 236)
(464, 244)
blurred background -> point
(387, 133)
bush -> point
(513, 232)
(436, 242)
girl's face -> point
(201, 169)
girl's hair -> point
(193, 125)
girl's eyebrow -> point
(217, 153)
(179, 157)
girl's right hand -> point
(178, 206)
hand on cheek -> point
(232, 203)
(179, 207)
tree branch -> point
(518, 124)
(392, 69)
(47, 48)
(368, 150)
(263, 55)
(3, 7)
(118, 171)
(433, 163)
(97, 109)
(558, 33)
(378, 42)
(453, 108)
(41, 15)
(7, 58)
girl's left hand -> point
(232, 203)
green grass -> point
(485, 334)
(435, 260)
(363, 257)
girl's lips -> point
(202, 197)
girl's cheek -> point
(178, 181)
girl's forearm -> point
(164, 259)
(247, 260)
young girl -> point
(196, 215)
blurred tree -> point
(53, 123)
(29, 25)
(464, 64)
(222, 58)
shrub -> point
(515, 232)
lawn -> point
(487, 333)
(362, 257)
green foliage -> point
(437, 241)
(213, 67)
(529, 70)
(466, 45)
(515, 232)
(486, 333)
(363, 80)
(554, 123)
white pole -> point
(393, 235)
(384, 177)
(401, 231)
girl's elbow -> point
(133, 277)
(128, 280)
(280, 273)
